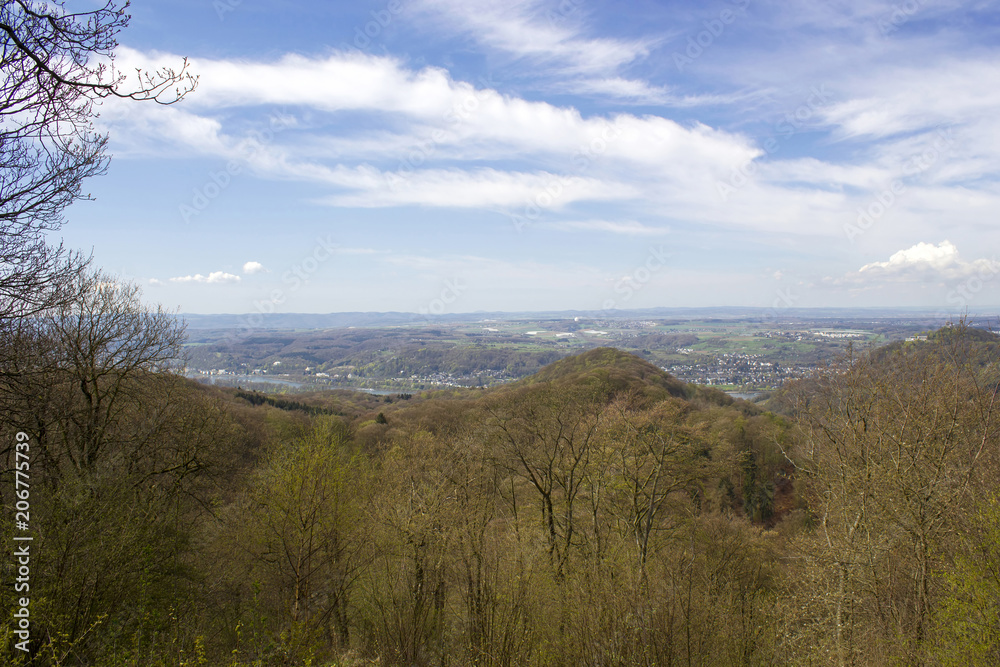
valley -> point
(738, 354)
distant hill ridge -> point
(375, 319)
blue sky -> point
(457, 155)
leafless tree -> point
(75, 373)
(55, 66)
(895, 446)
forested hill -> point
(608, 365)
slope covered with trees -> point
(597, 513)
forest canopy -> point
(599, 512)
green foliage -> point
(969, 615)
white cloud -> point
(905, 98)
(337, 82)
(447, 143)
(625, 227)
(526, 29)
(636, 91)
(936, 257)
(212, 278)
(632, 90)
(482, 188)
(253, 267)
(554, 39)
(926, 261)
(431, 123)
(439, 118)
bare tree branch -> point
(55, 65)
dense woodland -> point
(599, 512)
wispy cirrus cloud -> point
(637, 91)
(623, 227)
(902, 99)
(213, 278)
(481, 188)
(529, 29)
